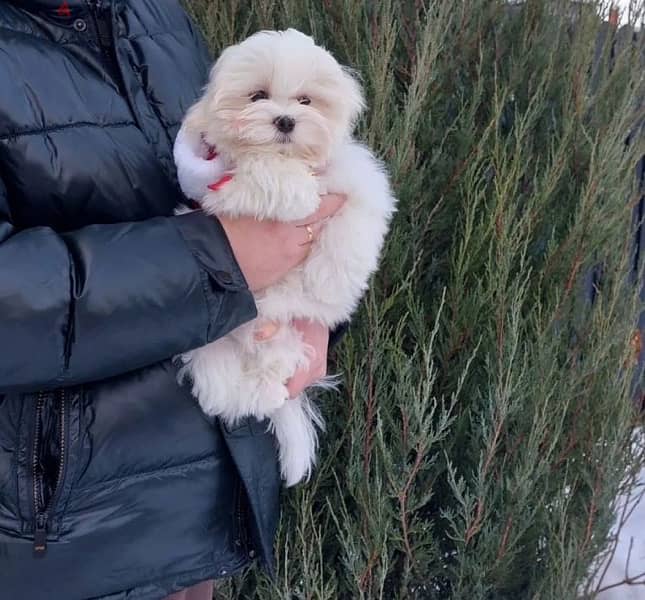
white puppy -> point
(280, 111)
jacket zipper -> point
(103, 35)
(41, 513)
(240, 514)
(40, 533)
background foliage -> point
(485, 422)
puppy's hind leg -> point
(274, 362)
(266, 393)
(216, 378)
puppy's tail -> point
(294, 425)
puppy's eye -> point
(304, 100)
(259, 95)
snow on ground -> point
(632, 534)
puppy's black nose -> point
(284, 124)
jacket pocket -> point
(48, 464)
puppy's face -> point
(278, 92)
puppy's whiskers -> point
(282, 138)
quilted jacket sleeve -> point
(106, 299)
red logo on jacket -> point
(64, 10)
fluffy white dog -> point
(280, 111)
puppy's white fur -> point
(280, 176)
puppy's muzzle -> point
(284, 124)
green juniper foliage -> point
(484, 425)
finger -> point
(310, 231)
(321, 371)
(297, 383)
(301, 324)
(329, 206)
(303, 378)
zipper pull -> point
(40, 536)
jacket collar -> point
(51, 4)
(60, 11)
(59, 7)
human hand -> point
(267, 250)
(314, 335)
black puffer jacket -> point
(112, 482)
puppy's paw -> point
(271, 397)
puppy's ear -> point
(353, 95)
(195, 121)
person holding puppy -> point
(112, 482)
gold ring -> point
(310, 234)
